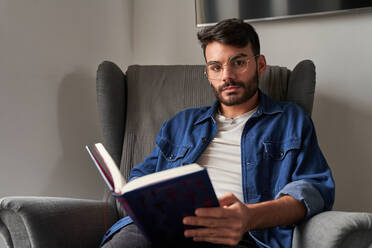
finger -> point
(211, 232)
(225, 212)
(211, 222)
(217, 240)
(202, 221)
(217, 212)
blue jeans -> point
(131, 237)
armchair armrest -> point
(333, 229)
(54, 222)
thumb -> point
(227, 199)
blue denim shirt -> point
(279, 153)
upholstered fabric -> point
(111, 103)
(274, 82)
(334, 229)
(54, 222)
(301, 85)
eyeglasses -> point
(237, 65)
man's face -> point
(232, 87)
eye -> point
(239, 63)
(215, 67)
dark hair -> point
(234, 32)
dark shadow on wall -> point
(74, 175)
(344, 134)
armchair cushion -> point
(334, 229)
(301, 85)
(54, 222)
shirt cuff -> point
(305, 192)
(115, 228)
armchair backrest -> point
(133, 106)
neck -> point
(236, 110)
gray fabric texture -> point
(13, 229)
(55, 222)
(301, 85)
(111, 104)
(296, 86)
(274, 82)
(334, 229)
(4, 233)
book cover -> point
(159, 207)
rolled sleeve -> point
(305, 192)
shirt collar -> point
(266, 106)
(211, 112)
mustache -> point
(231, 83)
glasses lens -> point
(214, 71)
(237, 66)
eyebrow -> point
(240, 55)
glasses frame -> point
(226, 64)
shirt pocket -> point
(280, 150)
(171, 152)
(279, 160)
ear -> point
(261, 64)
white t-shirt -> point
(222, 158)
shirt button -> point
(204, 140)
(171, 156)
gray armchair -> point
(132, 107)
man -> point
(262, 156)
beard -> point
(249, 89)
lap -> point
(131, 237)
(128, 237)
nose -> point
(227, 74)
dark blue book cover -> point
(158, 209)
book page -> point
(117, 177)
(161, 176)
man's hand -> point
(227, 224)
(221, 225)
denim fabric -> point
(123, 222)
(279, 154)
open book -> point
(157, 202)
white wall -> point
(340, 46)
(49, 53)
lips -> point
(230, 88)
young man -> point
(262, 155)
